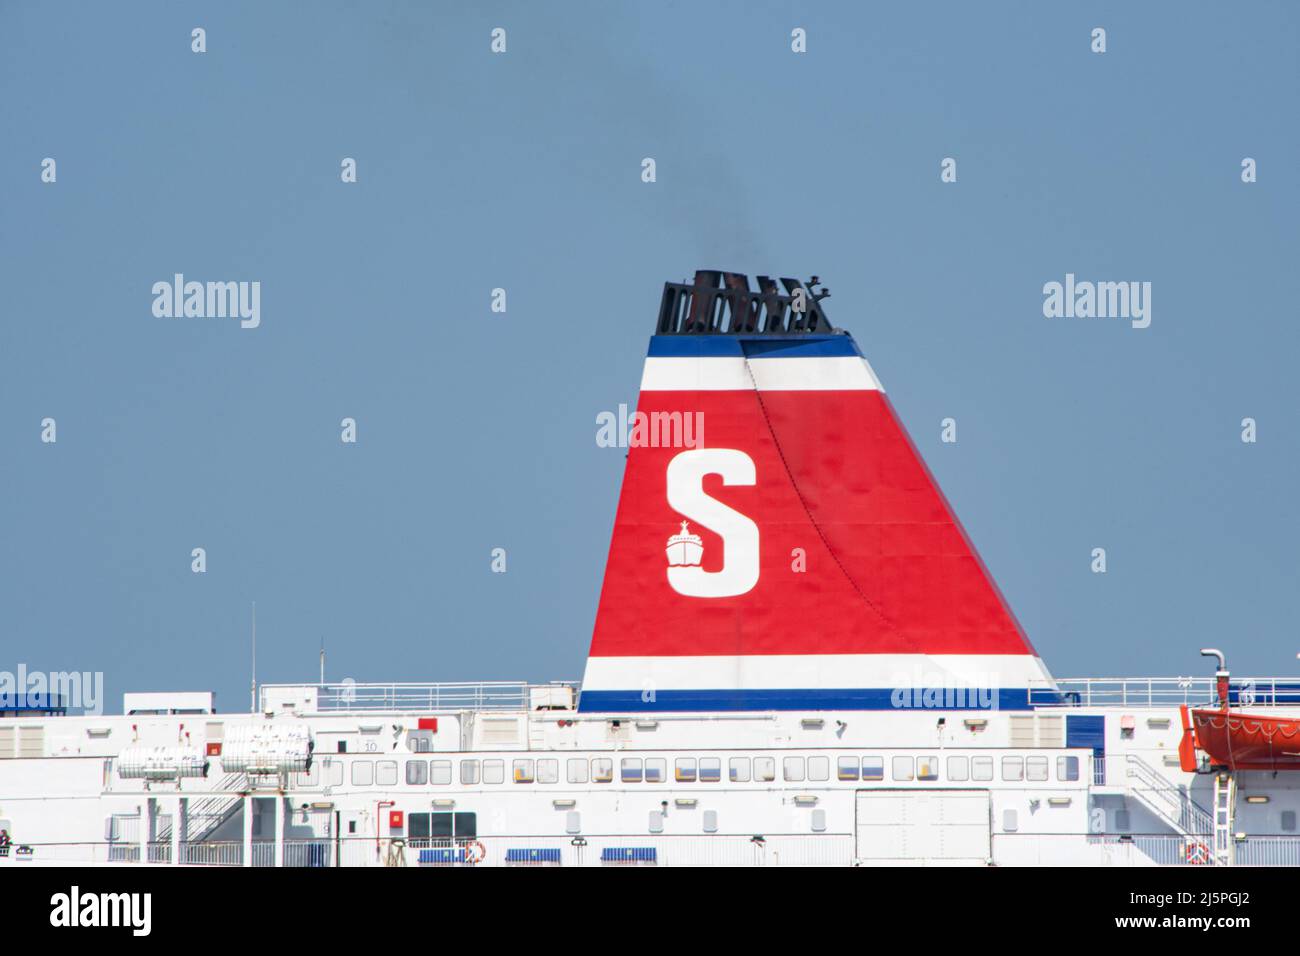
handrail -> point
(1185, 814)
(443, 696)
(1165, 692)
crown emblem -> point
(685, 548)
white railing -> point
(832, 849)
(827, 849)
(1267, 851)
(498, 851)
(1099, 849)
(479, 695)
(226, 853)
(1166, 692)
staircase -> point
(204, 816)
(1170, 802)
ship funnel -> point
(790, 551)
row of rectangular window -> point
(794, 769)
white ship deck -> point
(497, 774)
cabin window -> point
(846, 768)
(417, 829)
(494, 771)
(417, 773)
(363, 773)
(440, 772)
(819, 768)
(422, 829)
(873, 768)
(764, 769)
(710, 821)
(1036, 769)
(738, 769)
(576, 770)
(334, 773)
(440, 829)
(981, 768)
(656, 821)
(656, 769)
(710, 769)
(469, 771)
(1288, 821)
(548, 771)
(386, 773)
(630, 769)
(684, 770)
(903, 768)
(1013, 768)
(309, 777)
(523, 771)
(927, 768)
(792, 768)
(819, 821)
(958, 769)
(602, 769)
(1067, 768)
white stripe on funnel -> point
(780, 671)
(732, 373)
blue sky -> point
(522, 170)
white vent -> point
(160, 763)
(1023, 732)
(6, 742)
(31, 741)
(1051, 731)
(266, 748)
(1037, 731)
(500, 731)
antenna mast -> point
(252, 691)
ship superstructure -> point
(798, 659)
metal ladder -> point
(1225, 796)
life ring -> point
(1198, 854)
(475, 852)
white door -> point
(923, 826)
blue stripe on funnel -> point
(753, 346)
(805, 699)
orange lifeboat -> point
(1236, 740)
(1248, 742)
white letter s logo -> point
(739, 534)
